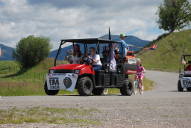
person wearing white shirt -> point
(97, 65)
(112, 59)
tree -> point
(174, 15)
(31, 50)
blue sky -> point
(59, 19)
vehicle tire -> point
(105, 91)
(189, 89)
(85, 86)
(180, 89)
(50, 92)
(98, 91)
(127, 88)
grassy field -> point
(14, 82)
(55, 115)
(167, 56)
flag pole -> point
(0, 51)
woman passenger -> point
(76, 57)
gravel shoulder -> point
(161, 107)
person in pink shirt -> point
(140, 74)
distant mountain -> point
(132, 40)
(62, 54)
(7, 52)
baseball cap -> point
(123, 35)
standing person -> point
(97, 65)
(140, 75)
(76, 57)
(124, 44)
(112, 59)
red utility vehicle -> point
(83, 77)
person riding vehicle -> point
(124, 44)
(188, 68)
(112, 60)
(184, 81)
(188, 63)
(97, 65)
(76, 57)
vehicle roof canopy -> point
(186, 55)
(90, 41)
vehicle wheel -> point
(85, 86)
(180, 89)
(50, 92)
(127, 88)
(105, 91)
(189, 89)
(98, 91)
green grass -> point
(167, 56)
(31, 82)
(55, 115)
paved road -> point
(162, 107)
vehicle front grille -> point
(63, 71)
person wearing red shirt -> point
(188, 68)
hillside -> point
(167, 56)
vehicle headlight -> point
(76, 71)
(67, 82)
(51, 71)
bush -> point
(31, 50)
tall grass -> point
(15, 82)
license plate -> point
(54, 83)
(187, 83)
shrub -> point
(31, 50)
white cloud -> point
(76, 18)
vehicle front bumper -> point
(185, 82)
(61, 81)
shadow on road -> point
(92, 95)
